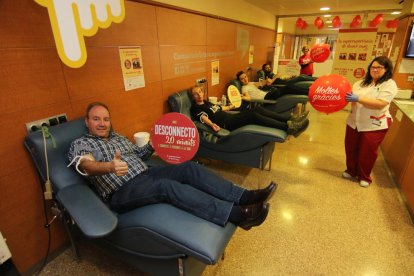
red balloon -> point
(299, 23)
(377, 20)
(336, 22)
(320, 52)
(327, 93)
(305, 25)
(318, 22)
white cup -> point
(141, 138)
(212, 100)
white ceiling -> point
(289, 11)
(311, 7)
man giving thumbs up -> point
(116, 167)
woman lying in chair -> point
(214, 116)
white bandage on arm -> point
(78, 159)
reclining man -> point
(116, 168)
(267, 76)
(285, 84)
(215, 116)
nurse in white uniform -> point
(369, 119)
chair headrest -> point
(180, 102)
(63, 134)
(236, 83)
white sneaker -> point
(364, 183)
(348, 176)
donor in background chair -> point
(278, 99)
(214, 116)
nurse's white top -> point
(366, 119)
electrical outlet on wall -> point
(50, 121)
(411, 78)
(202, 80)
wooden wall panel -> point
(13, 156)
(177, 49)
(179, 61)
(24, 24)
(30, 78)
(100, 75)
(23, 222)
(180, 28)
(225, 55)
(138, 28)
(220, 33)
(175, 85)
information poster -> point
(132, 67)
(354, 51)
(215, 72)
(251, 54)
(288, 68)
(175, 138)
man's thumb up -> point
(119, 167)
(117, 155)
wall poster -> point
(215, 72)
(354, 51)
(132, 67)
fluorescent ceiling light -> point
(325, 9)
(327, 15)
(396, 12)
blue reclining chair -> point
(250, 145)
(159, 239)
(282, 105)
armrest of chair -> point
(273, 134)
(257, 101)
(91, 215)
(206, 129)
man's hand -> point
(118, 166)
(351, 97)
(215, 127)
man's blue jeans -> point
(188, 186)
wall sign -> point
(71, 20)
(132, 67)
(175, 138)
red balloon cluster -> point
(336, 22)
(320, 52)
(318, 22)
(301, 24)
(327, 93)
(392, 24)
(356, 22)
(376, 21)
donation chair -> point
(285, 104)
(159, 239)
(250, 145)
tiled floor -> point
(319, 223)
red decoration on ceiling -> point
(319, 22)
(376, 21)
(336, 22)
(392, 24)
(356, 22)
(301, 24)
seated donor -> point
(250, 90)
(215, 116)
(267, 75)
(116, 168)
